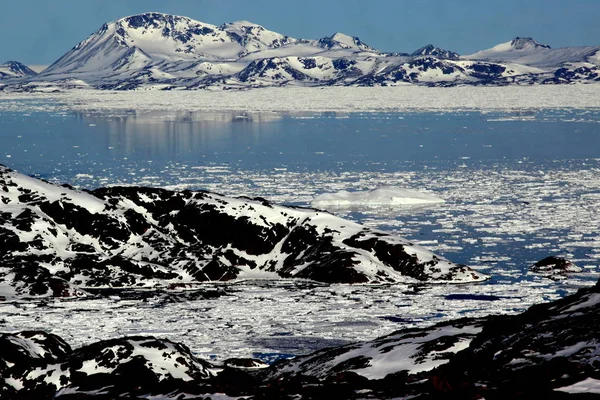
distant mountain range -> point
(162, 51)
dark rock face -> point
(446, 72)
(276, 69)
(25, 351)
(31, 348)
(431, 50)
(555, 265)
(550, 346)
(407, 351)
(546, 352)
(520, 43)
(570, 74)
(114, 368)
(335, 40)
(56, 239)
(169, 25)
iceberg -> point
(387, 196)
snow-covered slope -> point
(343, 41)
(133, 43)
(431, 50)
(45, 364)
(527, 51)
(15, 69)
(53, 238)
(162, 51)
(409, 351)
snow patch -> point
(588, 385)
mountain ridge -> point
(163, 51)
(55, 240)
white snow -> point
(155, 51)
(390, 354)
(530, 54)
(33, 349)
(588, 385)
(592, 300)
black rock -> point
(113, 368)
(431, 50)
(545, 352)
(56, 239)
(555, 265)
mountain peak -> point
(15, 69)
(343, 41)
(149, 19)
(521, 43)
(241, 24)
(431, 50)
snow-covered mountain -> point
(162, 51)
(15, 69)
(529, 52)
(431, 50)
(54, 239)
(342, 41)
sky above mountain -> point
(41, 31)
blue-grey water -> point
(518, 186)
(33, 140)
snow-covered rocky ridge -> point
(548, 351)
(15, 69)
(54, 239)
(162, 51)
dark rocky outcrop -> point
(108, 369)
(56, 239)
(548, 351)
(553, 265)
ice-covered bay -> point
(271, 319)
(520, 182)
(322, 99)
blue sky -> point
(40, 31)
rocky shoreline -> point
(550, 351)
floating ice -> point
(387, 196)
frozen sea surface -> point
(322, 99)
(520, 180)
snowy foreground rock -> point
(161, 51)
(55, 240)
(549, 351)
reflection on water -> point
(33, 142)
(171, 135)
